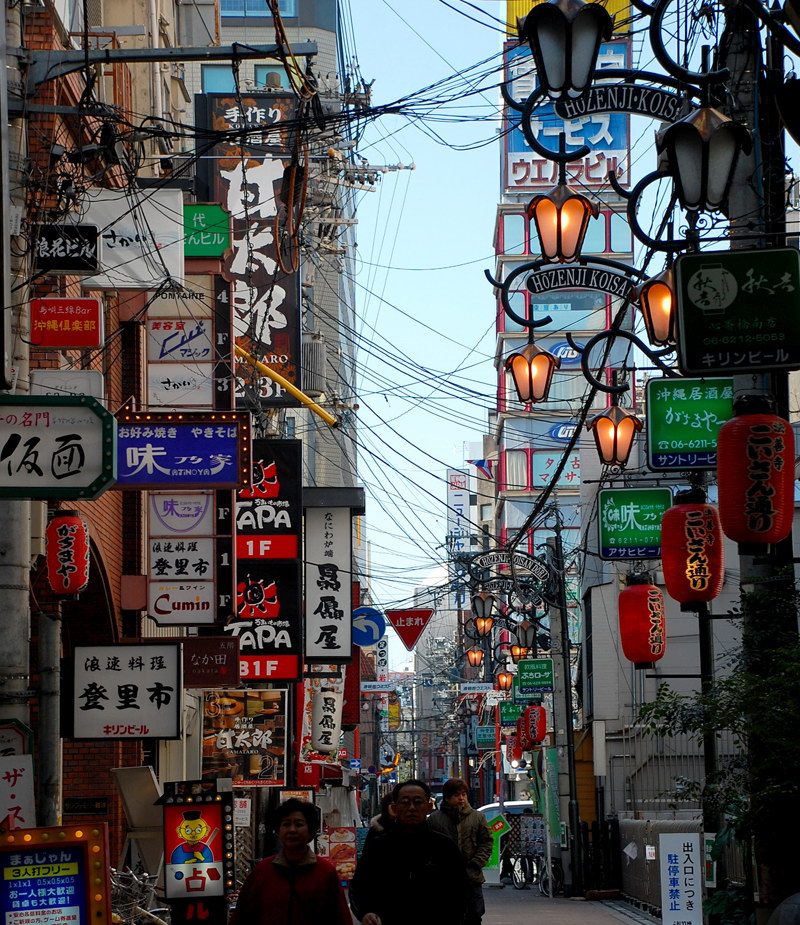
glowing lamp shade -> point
(483, 625)
(692, 554)
(532, 371)
(614, 431)
(504, 680)
(475, 656)
(482, 606)
(755, 475)
(642, 625)
(564, 37)
(657, 305)
(67, 552)
(561, 217)
(517, 653)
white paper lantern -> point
(326, 720)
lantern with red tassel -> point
(642, 625)
(67, 552)
(755, 473)
(691, 542)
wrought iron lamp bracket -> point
(612, 334)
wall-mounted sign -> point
(737, 311)
(535, 675)
(485, 737)
(683, 420)
(64, 382)
(328, 584)
(681, 866)
(202, 449)
(56, 447)
(129, 691)
(509, 713)
(630, 521)
(51, 875)
(180, 362)
(57, 323)
(207, 230)
(17, 802)
(66, 249)
(475, 687)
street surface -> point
(516, 907)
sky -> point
(425, 238)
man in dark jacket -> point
(410, 875)
(470, 831)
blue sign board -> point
(369, 625)
(44, 886)
(192, 450)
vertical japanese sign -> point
(180, 362)
(198, 846)
(382, 674)
(312, 688)
(16, 791)
(127, 692)
(681, 868)
(249, 181)
(328, 584)
(462, 533)
(244, 737)
(268, 618)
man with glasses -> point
(410, 875)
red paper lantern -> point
(513, 751)
(755, 473)
(642, 626)
(534, 724)
(692, 554)
(67, 552)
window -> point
(595, 240)
(256, 8)
(513, 234)
(516, 470)
(486, 511)
(621, 241)
(217, 78)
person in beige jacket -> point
(470, 831)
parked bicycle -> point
(530, 869)
(133, 897)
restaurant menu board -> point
(338, 844)
(244, 736)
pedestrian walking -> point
(470, 831)
(293, 887)
(409, 874)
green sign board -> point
(535, 675)
(527, 698)
(738, 311)
(683, 420)
(630, 522)
(510, 712)
(206, 229)
(485, 736)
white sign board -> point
(127, 692)
(328, 584)
(681, 867)
(476, 687)
(242, 811)
(16, 791)
(180, 385)
(372, 687)
(68, 382)
(181, 603)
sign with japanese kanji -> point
(210, 661)
(245, 736)
(17, 802)
(328, 584)
(57, 874)
(207, 229)
(629, 521)
(683, 420)
(66, 249)
(737, 311)
(268, 615)
(58, 323)
(485, 737)
(128, 691)
(190, 449)
(509, 713)
(56, 447)
(535, 675)
(180, 362)
(314, 688)
(681, 868)
(409, 624)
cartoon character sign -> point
(193, 847)
(193, 829)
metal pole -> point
(49, 753)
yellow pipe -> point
(291, 389)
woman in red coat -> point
(294, 887)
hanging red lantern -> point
(67, 552)
(755, 473)
(692, 554)
(642, 626)
(513, 751)
(534, 724)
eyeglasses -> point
(408, 801)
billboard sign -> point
(328, 585)
(683, 421)
(207, 229)
(57, 323)
(535, 675)
(630, 521)
(56, 447)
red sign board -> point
(409, 624)
(66, 323)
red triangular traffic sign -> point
(409, 624)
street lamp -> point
(561, 217)
(613, 431)
(564, 37)
(475, 656)
(482, 606)
(517, 653)
(701, 151)
(504, 680)
(532, 371)
(657, 303)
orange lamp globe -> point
(561, 217)
(483, 625)
(532, 371)
(504, 680)
(614, 431)
(475, 656)
(657, 305)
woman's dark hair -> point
(292, 805)
(413, 782)
(452, 787)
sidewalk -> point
(508, 906)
